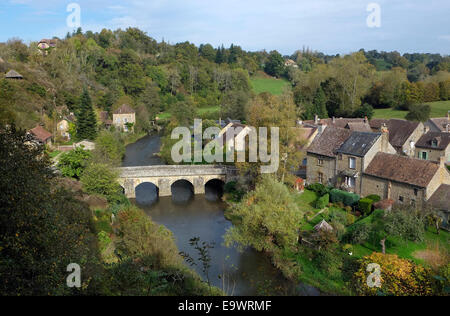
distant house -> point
(403, 179)
(439, 201)
(305, 135)
(353, 124)
(433, 145)
(441, 124)
(12, 74)
(41, 135)
(124, 116)
(45, 44)
(403, 135)
(104, 118)
(233, 137)
(290, 63)
(63, 126)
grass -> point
(212, 110)
(438, 109)
(267, 84)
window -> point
(320, 177)
(352, 163)
(416, 192)
(320, 162)
(401, 199)
(423, 155)
(305, 162)
(434, 143)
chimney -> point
(322, 128)
(447, 128)
(384, 138)
(334, 119)
(426, 129)
(442, 162)
(316, 119)
(366, 119)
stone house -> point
(322, 156)
(439, 202)
(403, 135)
(440, 124)
(63, 126)
(124, 116)
(353, 124)
(434, 145)
(355, 155)
(405, 180)
(41, 135)
(304, 137)
(12, 74)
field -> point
(268, 84)
(438, 109)
(202, 112)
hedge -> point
(349, 199)
(375, 198)
(319, 188)
(323, 202)
(365, 206)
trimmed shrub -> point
(365, 206)
(338, 196)
(323, 201)
(319, 188)
(375, 198)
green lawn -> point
(200, 112)
(438, 109)
(272, 85)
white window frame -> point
(350, 161)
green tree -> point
(109, 148)
(234, 105)
(101, 179)
(366, 110)
(269, 218)
(419, 112)
(73, 163)
(275, 64)
(319, 102)
(86, 120)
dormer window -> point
(434, 143)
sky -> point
(329, 26)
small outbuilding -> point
(323, 226)
(12, 74)
(41, 135)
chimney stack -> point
(316, 119)
(426, 129)
(447, 128)
(334, 119)
(366, 119)
(442, 161)
(384, 138)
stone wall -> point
(328, 169)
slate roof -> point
(440, 199)
(41, 134)
(402, 169)
(359, 143)
(329, 141)
(440, 123)
(443, 140)
(339, 122)
(399, 130)
(358, 127)
(125, 109)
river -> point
(189, 216)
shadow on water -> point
(188, 215)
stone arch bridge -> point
(164, 176)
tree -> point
(319, 102)
(420, 113)
(366, 110)
(43, 228)
(234, 105)
(73, 163)
(269, 218)
(109, 148)
(101, 179)
(275, 65)
(86, 120)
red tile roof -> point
(125, 109)
(41, 134)
(329, 141)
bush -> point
(338, 196)
(365, 206)
(73, 163)
(323, 201)
(399, 277)
(319, 188)
(375, 198)
(101, 179)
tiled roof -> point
(402, 169)
(41, 134)
(358, 127)
(441, 123)
(442, 140)
(338, 122)
(399, 130)
(329, 141)
(440, 199)
(125, 109)
(359, 143)
(13, 74)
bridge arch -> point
(146, 192)
(182, 190)
(214, 189)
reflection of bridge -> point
(163, 177)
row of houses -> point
(398, 160)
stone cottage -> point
(434, 145)
(123, 117)
(41, 135)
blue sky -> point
(331, 26)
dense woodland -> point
(116, 67)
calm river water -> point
(188, 216)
